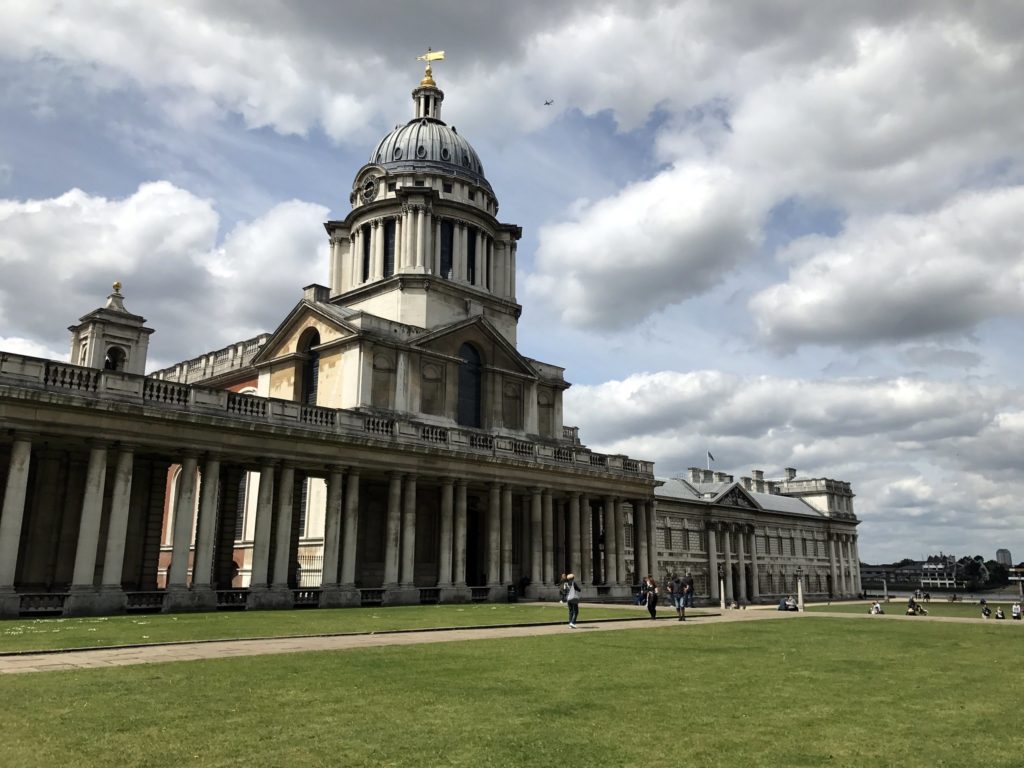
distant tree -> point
(998, 574)
(969, 570)
(905, 561)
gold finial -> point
(428, 75)
(117, 286)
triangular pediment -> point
(495, 349)
(329, 321)
(737, 497)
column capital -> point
(461, 482)
(446, 480)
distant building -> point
(1003, 557)
(936, 572)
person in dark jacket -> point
(571, 593)
(652, 597)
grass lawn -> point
(47, 634)
(898, 607)
(816, 692)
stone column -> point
(401, 256)
(844, 564)
(494, 535)
(408, 578)
(727, 555)
(184, 508)
(536, 524)
(558, 512)
(506, 534)
(755, 576)
(832, 565)
(575, 562)
(408, 226)
(13, 511)
(421, 233)
(640, 539)
(378, 249)
(350, 530)
(611, 555)
(206, 535)
(427, 249)
(393, 531)
(587, 572)
(858, 588)
(652, 536)
(620, 543)
(332, 527)
(444, 560)
(741, 555)
(117, 528)
(713, 561)
(460, 533)
(264, 521)
(549, 538)
(283, 528)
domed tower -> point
(422, 244)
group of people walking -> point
(680, 590)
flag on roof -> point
(710, 457)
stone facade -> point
(386, 443)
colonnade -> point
(519, 530)
(417, 249)
(844, 563)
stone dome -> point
(428, 144)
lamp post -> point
(800, 588)
(721, 587)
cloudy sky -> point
(788, 233)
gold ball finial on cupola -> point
(117, 286)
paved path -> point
(118, 657)
(221, 649)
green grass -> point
(898, 607)
(48, 634)
(805, 692)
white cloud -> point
(898, 277)
(161, 243)
(655, 243)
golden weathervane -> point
(429, 56)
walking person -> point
(652, 597)
(688, 591)
(677, 589)
(572, 592)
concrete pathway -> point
(221, 649)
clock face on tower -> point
(369, 191)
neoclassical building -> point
(387, 443)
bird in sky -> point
(548, 102)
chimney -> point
(757, 474)
(790, 473)
(695, 474)
(708, 475)
(720, 477)
(747, 483)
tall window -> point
(310, 366)
(366, 252)
(469, 386)
(471, 255)
(447, 238)
(389, 248)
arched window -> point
(310, 366)
(469, 411)
(115, 359)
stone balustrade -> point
(29, 373)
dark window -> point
(391, 187)
(366, 252)
(447, 235)
(389, 248)
(446, 186)
(418, 183)
(303, 505)
(472, 195)
(310, 367)
(471, 255)
(469, 386)
(240, 507)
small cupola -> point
(111, 338)
(427, 96)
